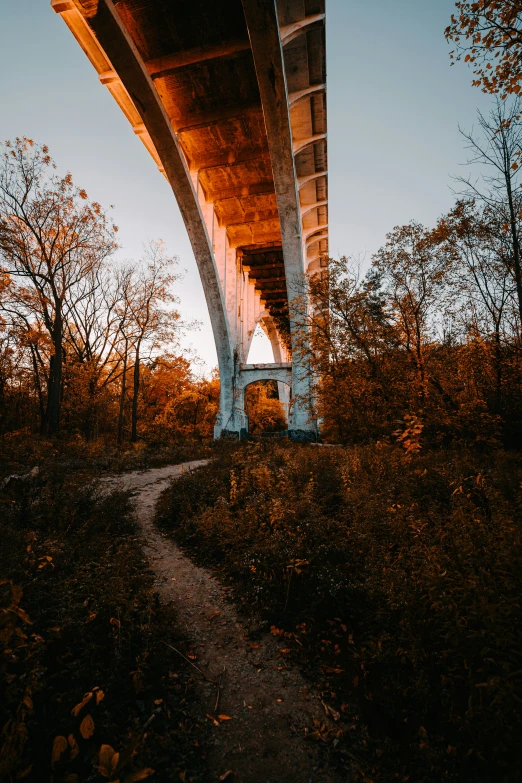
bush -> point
(396, 581)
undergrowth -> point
(21, 453)
(89, 689)
(394, 580)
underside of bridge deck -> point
(229, 97)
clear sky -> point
(394, 104)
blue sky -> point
(394, 105)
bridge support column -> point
(231, 421)
(263, 30)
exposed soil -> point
(270, 707)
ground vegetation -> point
(392, 578)
(89, 687)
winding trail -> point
(268, 703)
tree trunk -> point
(135, 392)
(38, 386)
(516, 244)
(122, 395)
(51, 420)
(498, 369)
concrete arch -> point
(282, 374)
(252, 373)
(128, 68)
(238, 160)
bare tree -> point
(125, 279)
(497, 149)
(482, 284)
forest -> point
(382, 564)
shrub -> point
(395, 577)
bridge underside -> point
(229, 97)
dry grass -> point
(395, 582)
(21, 452)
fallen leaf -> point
(224, 717)
(108, 761)
(314, 736)
(59, 747)
(226, 774)
(211, 717)
(86, 699)
(99, 696)
(330, 711)
(215, 614)
(73, 746)
(87, 727)
(140, 775)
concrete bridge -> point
(229, 97)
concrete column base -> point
(302, 436)
(231, 426)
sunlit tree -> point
(52, 241)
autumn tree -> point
(52, 239)
(176, 401)
(152, 321)
(413, 270)
(354, 352)
(263, 407)
(488, 36)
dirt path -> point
(269, 705)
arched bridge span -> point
(229, 97)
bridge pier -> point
(232, 420)
(229, 98)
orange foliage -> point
(488, 36)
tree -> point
(150, 322)
(413, 271)
(482, 284)
(52, 239)
(488, 35)
(496, 150)
(265, 411)
(124, 284)
(355, 357)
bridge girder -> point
(229, 97)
